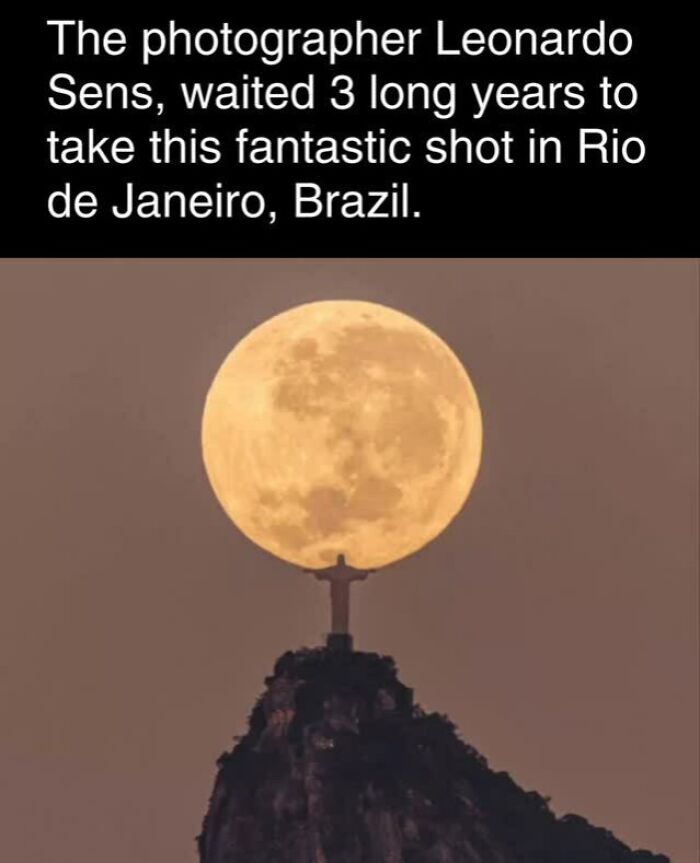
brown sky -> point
(555, 621)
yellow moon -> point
(341, 427)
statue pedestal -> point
(339, 641)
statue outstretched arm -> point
(340, 570)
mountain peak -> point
(340, 766)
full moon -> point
(341, 427)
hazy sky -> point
(555, 621)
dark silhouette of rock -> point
(339, 766)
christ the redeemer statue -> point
(340, 576)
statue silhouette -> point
(340, 576)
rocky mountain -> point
(340, 766)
